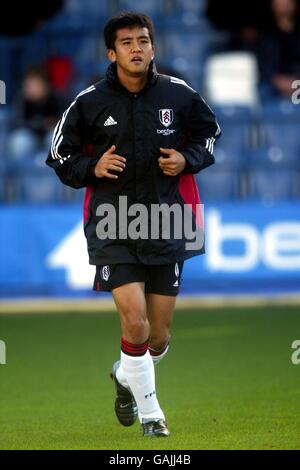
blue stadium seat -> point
(190, 13)
(216, 185)
(233, 147)
(4, 116)
(93, 7)
(177, 43)
(280, 122)
(148, 7)
(39, 188)
(234, 114)
(273, 175)
(283, 137)
(280, 110)
(197, 7)
(3, 179)
(77, 15)
(275, 158)
(36, 183)
(230, 157)
(271, 186)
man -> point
(148, 131)
(35, 114)
(279, 54)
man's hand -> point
(109, 161)
(173, 164)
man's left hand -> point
(173, 163)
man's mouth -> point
(137, 60)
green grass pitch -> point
(227, 383)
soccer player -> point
(142, 136)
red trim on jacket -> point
(86, 202)
(90, 151)
(189, 192)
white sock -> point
(156, 357)
(140, 376)
(120, 374)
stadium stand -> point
(231, 78)
(257, 156)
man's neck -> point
(131, 83)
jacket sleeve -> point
(73, 167)
(202, 132)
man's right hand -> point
(109, 161)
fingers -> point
(166, 151)
(111, 150)
(116, 162)
(110, 176)
(117, 159)
(110, 154)
(165, 161)
(167, 164)
(111, 162)
(115, 168)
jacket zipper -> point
(133, 98)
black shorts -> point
(159, 279)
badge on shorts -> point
(105, 273)
(176, 270)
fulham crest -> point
(105, 273)
(166, 117)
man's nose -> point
(136, 46)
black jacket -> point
(166, 113)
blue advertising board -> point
(250, 248)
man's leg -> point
(161, 290)
(131, 305)
(136, 364)
(160, 309)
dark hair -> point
(126, 19)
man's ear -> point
(153, 53)
(111, 54)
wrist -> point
(184, 161)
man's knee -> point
(135, 326)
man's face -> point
(35, 89)
(133, 50)
(284, 7)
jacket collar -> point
(113, 80)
